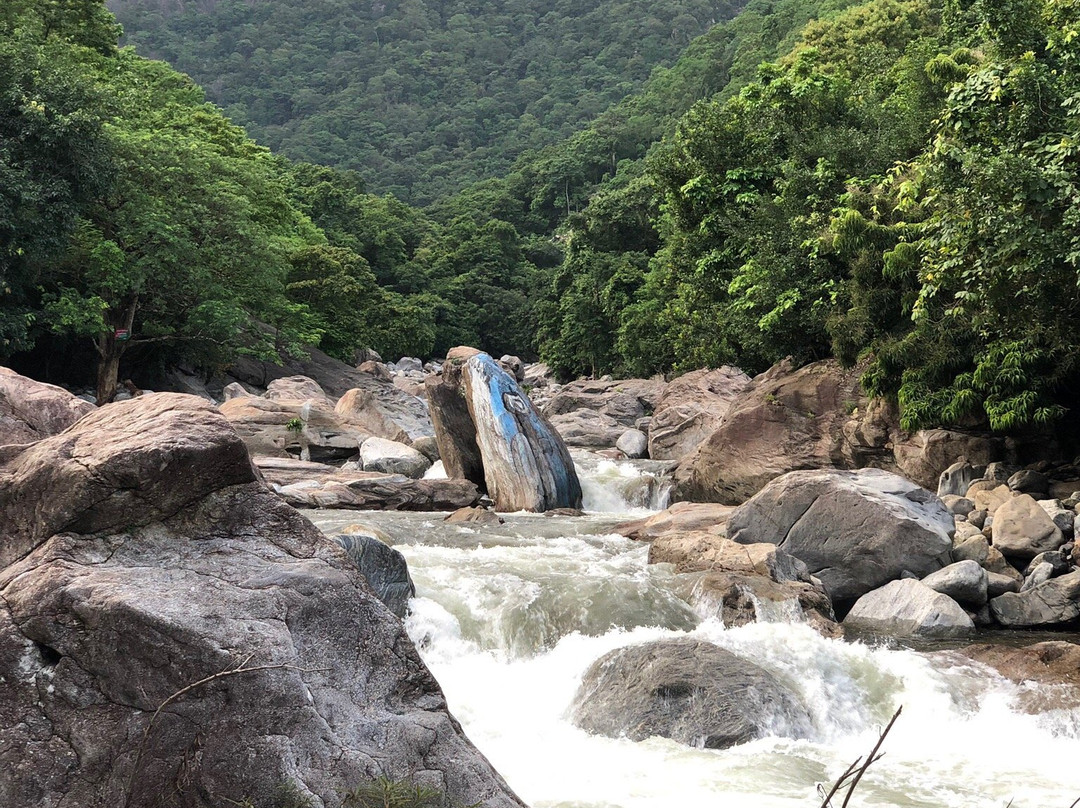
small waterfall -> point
(622, 486)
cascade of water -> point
(509, 617)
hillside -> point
(421, 97)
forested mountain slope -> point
(420, 96)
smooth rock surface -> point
(957, 478)
(1052, 603)
(855, 530)
(31, 410)
(1022, 529)
(142, 556)
(633, 443)
(691, 408)
(588, 429)
(390, 457)
(739, 599)
(908, 608)
(689, 691)
(679, 517)
(965, 582)
(383, 567)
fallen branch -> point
(853, 774)
(239, 669)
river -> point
(508, 618)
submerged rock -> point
(689, 691)
(145, 564)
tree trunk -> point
(110, 349)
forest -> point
(892, 182)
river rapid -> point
(509, 617)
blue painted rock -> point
(526, 464)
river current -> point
(509, 617)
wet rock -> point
(739, 599)
(689, 691)
(1053, 603)
(680, 517)
(855, 530)
(1021, 529)
(633, 444)
(390, 457)
(383, 567)
(702, 552)
(475, 516)
(691, 408)
(908, 608)
(30, 410)
(142, 556)
(965, 582)
(957, 478)
(1053, 666)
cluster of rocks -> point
(144, 563)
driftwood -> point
(526, 464)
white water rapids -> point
(509, 617)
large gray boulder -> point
(855, 530)
(1052, 603)
(908, 608)
(965, 582)
(587, 429)
(691, 408)
(957, 478)
(31, 410)
(633, 443)
(391, 457)
(623, 401)
(686, 690)
(144, 565)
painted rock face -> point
(526, 464)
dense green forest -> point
(423, 97)
(892, 181)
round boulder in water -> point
(689, 691)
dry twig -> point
(854, 772)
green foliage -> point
(387, 793)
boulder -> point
(1053, 603)
(360, 408)
(633, 443)
(587, 429)
(691, 408)
(383, 567)
(957, 478)
(925, 455)
(145, 566)
(1027, 481)
(390, 457)
(455, 432)
(855, 530)
(1063, 517)
(703, 552)
(1053, 666)
(739, 599)
(514, 366)
(972, 548)
(30, 410)
(908, 608)
(689, 691)
(376, 370)
(474, 516)
(526, 465)
(998, 584)
(623, 401)
(1041, 573)
(680, 517)
(995, 562)
(306, 429)
(380, 492)
(1022, 529)
(965, 582)
(989, 496)
(409, 364)
(1059, 563)
(786, 419)
(298, 388)
(960, 506)
(428, 446)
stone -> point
(455, 432)
(989, 499)
(475, 516)
(925, 455)
(961, 506)
(1052, 603)
(380, 492)
(999, 472)
(1027, 481)
(297, 388)
(1062, 517)
(855, 530)
(972, 548)
(786, 419)
(526, 465)
(286, 428)
(965, 530)
(623, 401)
(965, 582)
(1053, 666)
(996, 562)
(514, 366)
(409, 364)
(235, 390)
(360, 408)
(31, 410)
(587, 429)
(1022, 529)
(977, 518)
(1058, 561)
(689, 691)
(957, 478)
(691, 408)
(702, 552)
(142, 556)
(428, 446)
(908, 608)
(1042, 573)
(390, 457)
(679, 518)
(377, 370)
(383, 567)
(633, 444)
(739, 599)
(999, 584)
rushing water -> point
(509, 617)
